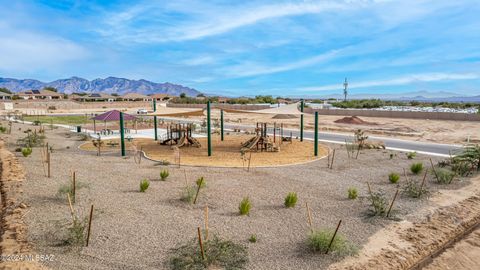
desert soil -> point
(133, 230)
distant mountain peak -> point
(107, 85)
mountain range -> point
(108, 85)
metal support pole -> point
(154, 105)
(302, 105)
(155, 126)
(221, 125)
(122, 135)
(316, 135)
(209, 135)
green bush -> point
(414, 189)
(222, 254)
(26, 151)
(416, 168)
(164, 174)
(253, 238)
(462, 168)
(393, 178)
(188, 194)
(378, 204)
(291, 200)
(244, 207)
(76, 232)
(411, 155)
(319, 240)
(3, 129)
(445, 176)
(201, 182)
(352, 193)
(144, 184)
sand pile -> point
(353, 120)
(284, 116)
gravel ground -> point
(133, 230)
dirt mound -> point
(422, 240)
(353, 120)
(14, 245)
(284, 116)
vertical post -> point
(122, 135)
(302, 105)
(155, 132)
(89, 225)
(74, 186)
(315, 151)
(274, 131)
(209, 135)
(221, 125)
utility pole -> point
(345, 92)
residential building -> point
(40, 94)
(161, 97)
(135, 97)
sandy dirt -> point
(224, 154)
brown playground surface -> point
(224, 154)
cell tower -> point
(345, 92)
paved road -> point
(390, 143)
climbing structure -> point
(261, 141)
(180, 135)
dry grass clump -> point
(352, 193)
(291, 200)
(219, 253)
(416, 168)
(244, 207)
(144, 184)
(393, 178)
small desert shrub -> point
(378, 204)
(220, 253)
(188, 194)
(18, 149)
(3, 129)
(65, 189)
(393, 178)
(445, 176)
(31, 140)
(26, 151)
(411, 155)
(414, 189)
(352, 193)
(201, 182)
(319, 240)
(36, 123)
(244, 207)
(164, 174)
(252, 239)
(391, 156)
(52, 108)
(462, 168)
(144, 184)
(76, 232)
(416, 168)
(291, 200)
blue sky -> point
(249, 47)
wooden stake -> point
(309, 217)
(423, 181)
(48, 163)
(391, 205)
(206, 223)
(249, 159)
(369, 189)
(71, 206)
(198, 191)
(89, 224)
(433, 168)
(201, 243)
(328, 160)
(333, 237)
(73, 186)
(333, 159)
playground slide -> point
(251, 143)
(194, 142)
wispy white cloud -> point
(403, 80)
(255, 69)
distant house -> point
(40, 94)
(5, 96)
(223, 99)
(135, 97)
(94, 97)
(161, 97)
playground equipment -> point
(261, 141)
(180, 135)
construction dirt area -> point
(143, 230)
